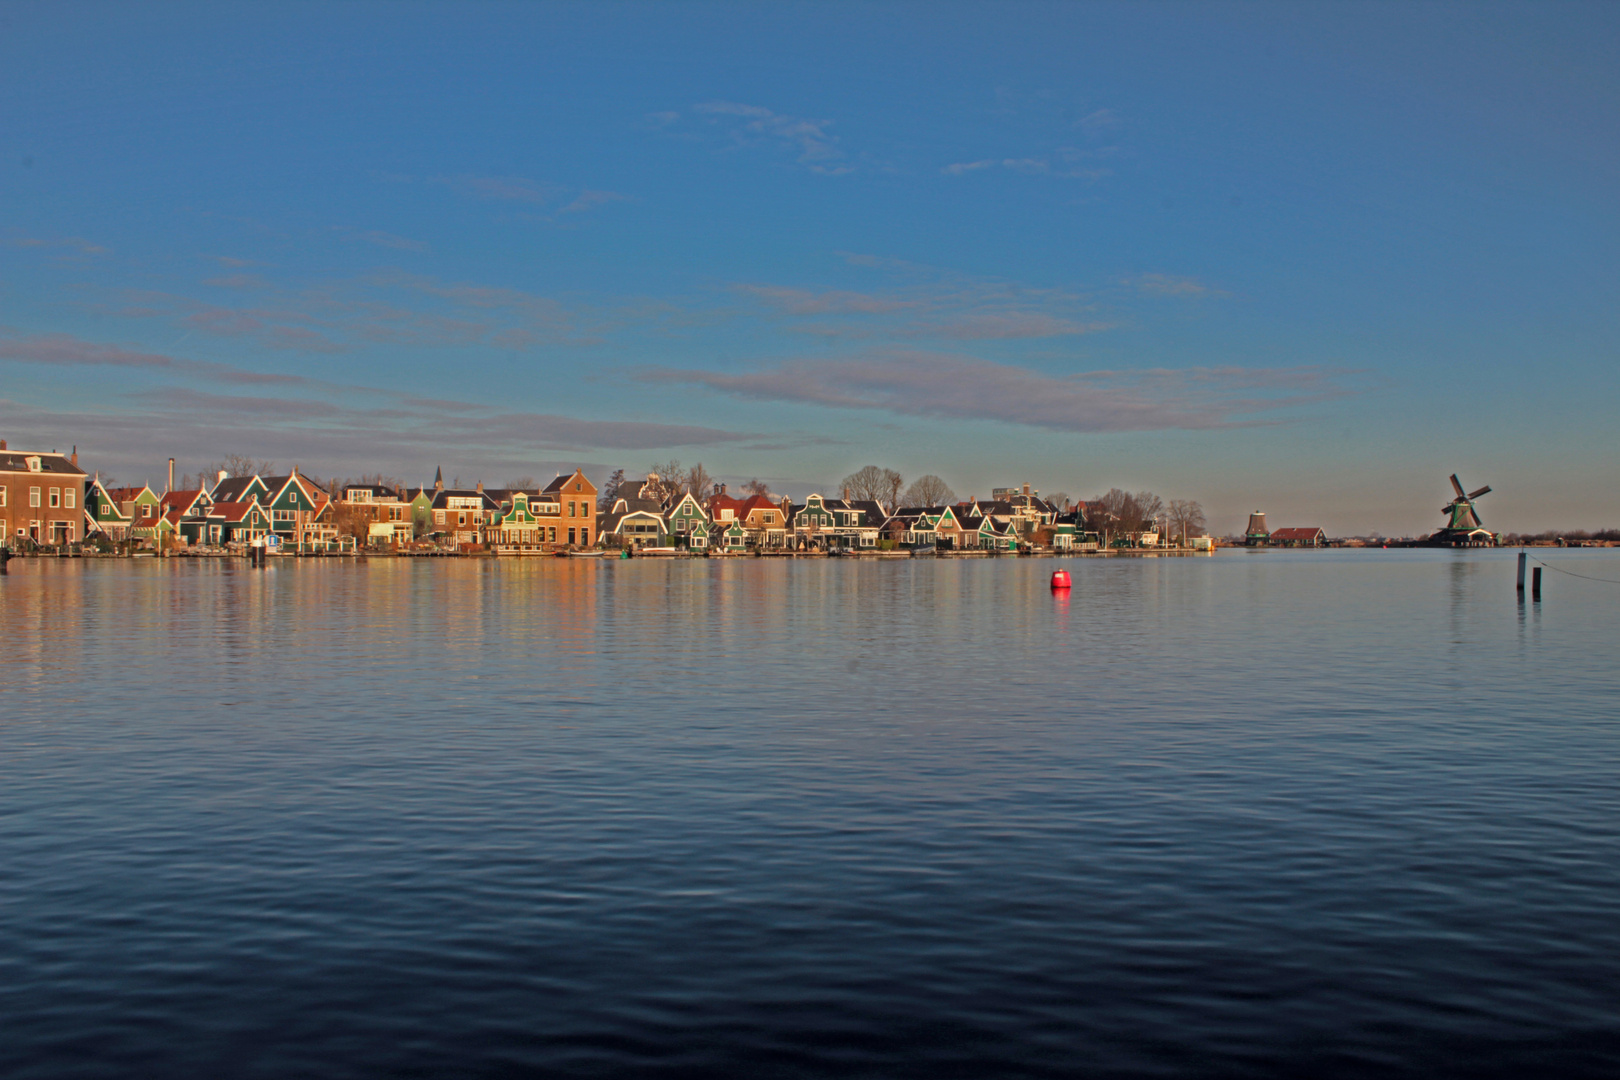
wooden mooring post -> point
(1535, 584)
(1521, 574)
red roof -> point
(1296, 534)
(180, 499)
(232, 511)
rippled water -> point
(1317, 813)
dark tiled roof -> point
(441, 500)
(55, 464)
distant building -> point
(1311, 537)
(1257, 535)
(41, 497)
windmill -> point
(1463, 529)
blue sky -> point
(1306, 258)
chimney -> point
(722, 486)
(1026, 491)
(2, 444)
(171, 476)
(480, 487)
(846, 493)
(220, 479)
(75, 458)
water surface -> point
(1314, 813)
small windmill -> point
(1463, 527)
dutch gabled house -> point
(41, 497)
(575, 497)
(688, 522)
(102, 514)
(636, 517)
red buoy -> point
(1060, 579)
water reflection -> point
(1282, 814)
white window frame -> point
(33, 498)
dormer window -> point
(33, 463)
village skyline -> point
(787, 245)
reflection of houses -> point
(41, 497)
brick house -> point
(41, 497)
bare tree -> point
(698, 481)
(1110, 514)
(756, 486)
(610, 491)
(523, 483)
(238, 465)
(1148, 508)
(671, 474)
(873, 484)
(929, 490)
(1059, 499)
(1186, 518)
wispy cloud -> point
(930, 304)
(588, 199)
(238, 281)
(502, 188)
(389, 240)
(73, 244)
(808, 302)
(65, 350)
(1065, 168)
(817, 148)
(1170, 285)
(1097, 121)
(956, 387)
(1014, 325)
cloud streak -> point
(818, 149)
(962, 388)
(65, 350)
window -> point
(461, 519)
(570, 532)
(438, 517)
(585, 537)
(554, 534)
(578, 488)
(56, 497)
(69, 497)
(2, 496)
(33, 496)
(570, 507)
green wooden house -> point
(688, 522)
(102, 512)
(729, 536)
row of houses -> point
(649, 513)
(47, 499)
